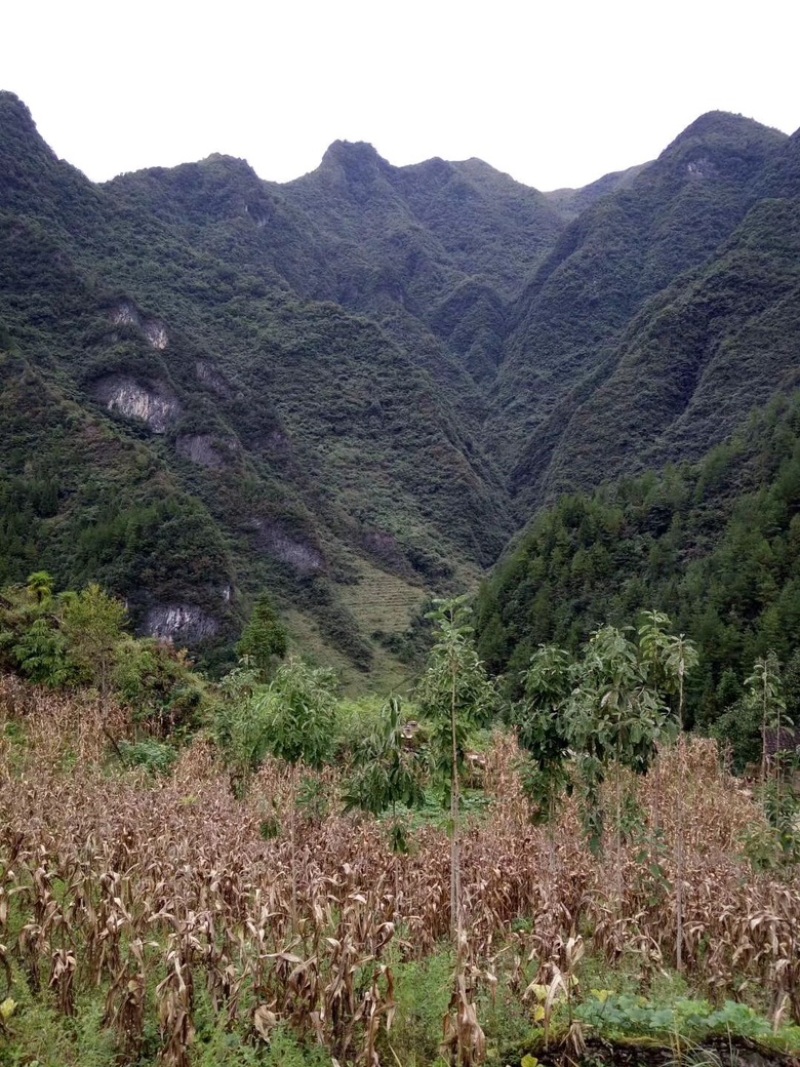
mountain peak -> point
(340, 149)
(724, 127)
(357, 160)
(17, 127)
(11, 107)
(233, 163)
(719, 146)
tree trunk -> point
(679, 833)
(455, 859)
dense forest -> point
(714, 544)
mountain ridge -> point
(376, 369)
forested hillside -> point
(351, 389)
(628, 325)
(716, 545)
(297, 446)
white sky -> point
(554, 93)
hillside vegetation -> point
(361, 383)
(254, 420)
(714, 544)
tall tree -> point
(542, 728)
(615, 718)
(765, 690)
(264, 639)
(93, 624)
(456, 694)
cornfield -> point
(153, 890)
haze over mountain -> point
(354, 387)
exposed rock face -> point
(124, 314)
(212, 378)
(180, 622)
(207, 450)
(152, 402)
(701, 168)
(276, 542)
(127, 314)
(156, 334)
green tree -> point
(94, 624)
(456, 695)
(30, 632)
(41, 654)
(542, 732)
(615, 718)
(765, 690)
(40, 586)
(264, 638)
(667, 657)
(542, 728)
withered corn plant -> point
(153, 891)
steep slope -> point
(309, 436)
(699, 357)
(429, 223)
(353, 387)
(442, 246)
(626, 248)
(716, 545)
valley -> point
(216, 386)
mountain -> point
(600, 299)
(186, 319)
(351, 389)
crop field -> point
(150, 919)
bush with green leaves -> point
(156, 757)
(156, 681)
(387, 773)
(293, 718)
(616, 1016)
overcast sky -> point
(554, 93)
